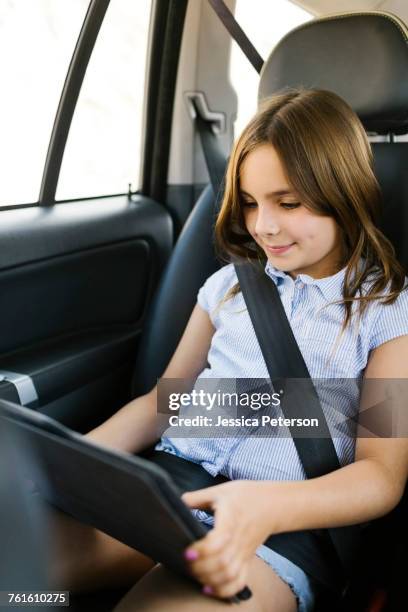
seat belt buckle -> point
(196, 102)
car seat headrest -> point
(363, 57)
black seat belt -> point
(214, 157)
(237, 33)
(288, 373)
(317, 455)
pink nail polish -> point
(208, 590)
(191, 554)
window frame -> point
(164, 42)
(69, 97)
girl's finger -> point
(220, 575)
(217, 561)
(231, 588)
(217, 538)
(210, 545)
(223, 533)
(203, 498)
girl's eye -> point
(290, 205)
(285, 205)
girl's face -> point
(295, 239)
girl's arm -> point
(247, 512)
(136, 426)
(374, 484)
(364, 490)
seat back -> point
(363, 57)
(192, 261)
(391, 167)
(23, 533)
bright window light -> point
(37, 39)
(103, 151)
(265, 23)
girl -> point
(301, 198)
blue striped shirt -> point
(316, 322)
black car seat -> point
(23, 533)
(363, 57)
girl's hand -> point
(221, 559)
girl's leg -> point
(84, 559)
(161, 589)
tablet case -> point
(125, 496)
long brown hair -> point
(328, 161)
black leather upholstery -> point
(391, 165)
(22, 524)
(192, 261)
(362, 57)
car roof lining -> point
(323, 7)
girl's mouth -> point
(279, 250)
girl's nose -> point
(266, 222)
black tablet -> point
(125, 496)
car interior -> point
(96, 291)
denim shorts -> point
(296, 579)
(299, 583)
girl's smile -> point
(294, 238)
(279, 250)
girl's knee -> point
(162, 589)
(86, 559)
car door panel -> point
(75, 290)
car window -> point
(103, 151)
(265, 23)
(36, 44)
